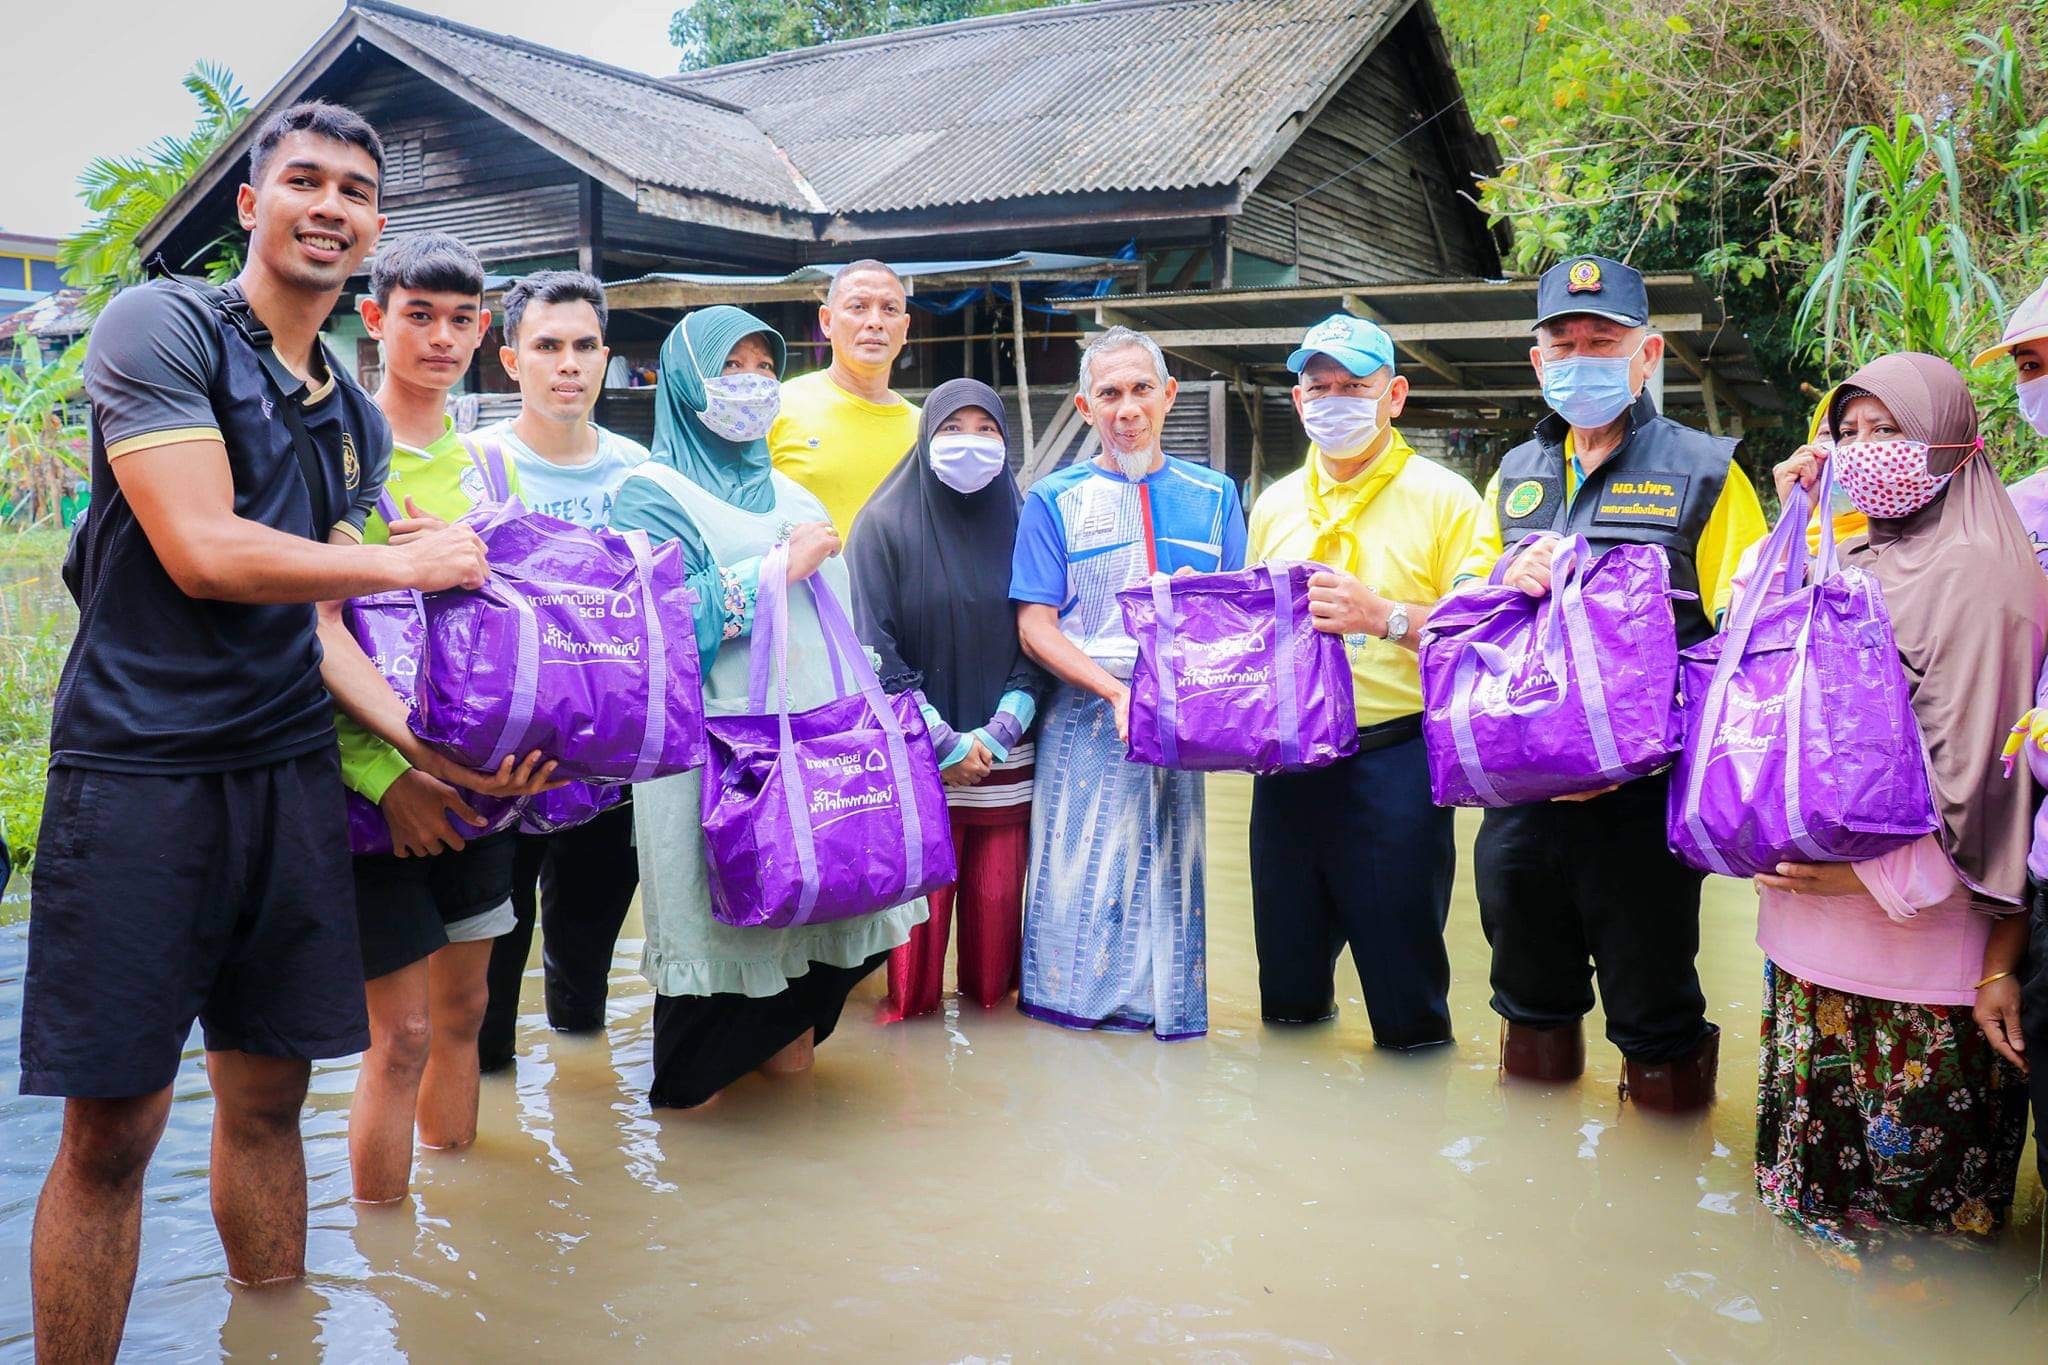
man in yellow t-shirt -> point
(1356, 852)
(842, 428)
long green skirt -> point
(1872, 1113)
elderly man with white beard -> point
(1113, 915)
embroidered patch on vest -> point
(1524, 498)
(1652, 499)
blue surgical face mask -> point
(1590, 390)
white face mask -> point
(1341, 427)
(967, 462)
(2033, 395)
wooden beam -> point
(1402, 332)
(590, 227)
(1425, 356)
(1336, 292)
(1683, 352)
(1023, 385)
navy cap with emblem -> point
(1594, 285)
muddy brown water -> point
(984, 1187)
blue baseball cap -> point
(1359, 346)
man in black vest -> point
(1586, 886)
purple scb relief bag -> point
(1526, 699)
(581, 644)
(1800, 740)
(1231, 675)
(822, 814)
(551, 812)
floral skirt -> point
(1873, 1113)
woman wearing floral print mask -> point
(1889, 1089)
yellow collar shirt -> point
(1403, 525)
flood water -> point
(983, 1187)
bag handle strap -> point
(1568, 573)
(839, 633)
(768, 663)
(489, 459)
(1787, 539)
(1286, 667)
(1168, 620)
(657, 658)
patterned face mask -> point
(1890, 479)
(741, 407)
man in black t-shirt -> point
(193, 861)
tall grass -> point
(29, 665)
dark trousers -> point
(1570, 890)
(703, 1043)
(586, 878)
(2034, 1019)
(1355, 854)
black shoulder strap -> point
(227, 300)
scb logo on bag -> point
(592, 604)
(845, 790)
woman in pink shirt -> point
(1880, 1099)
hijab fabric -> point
(931, 573)
(696, 350)
(1968, 603)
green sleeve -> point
(368, 765)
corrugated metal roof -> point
(655, 133)
(1118, 95)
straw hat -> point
(2029, 323)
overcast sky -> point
(102, 78)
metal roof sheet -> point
(656, 133)
(1118, 95)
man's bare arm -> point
(184, 497)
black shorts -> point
(407, 907)
(221, 897)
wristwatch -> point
(1397, 624)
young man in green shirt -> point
(427, 912)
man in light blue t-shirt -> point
(571, 468)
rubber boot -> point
(1543, 1054)
(1678, 1085)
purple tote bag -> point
(563, 808)
(1231, 675)
(581, 644)
(1529, 698)
(1800, 740)
(822, 814)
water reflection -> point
(977, 1186)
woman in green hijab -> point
(731, 1000)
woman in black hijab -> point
(930, 561)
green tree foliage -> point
(126, 192)
(714, 32)
(1857, 175)
(41, 446)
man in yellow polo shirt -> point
(1356, 853)
(1585, 888)
(842, 428)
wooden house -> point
(1208, 144)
